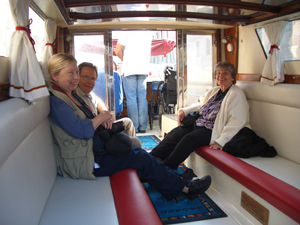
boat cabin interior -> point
(261, 38)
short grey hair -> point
(228, 66)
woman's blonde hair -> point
(59, 61)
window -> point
(7, 27)
(290, 46)
(199, 66)
(90, 48)
(37, 33)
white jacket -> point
(233, 115)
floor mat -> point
(182, 209)
(148, 142)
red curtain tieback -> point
(272, 47)
(27, 29)
(53, 46)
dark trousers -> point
(163, 179)
(180, 143)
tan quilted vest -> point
(74, 156)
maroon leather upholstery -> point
(133, 205)
(281, 195)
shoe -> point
(198, 186)
(188, 174)
(142, 131)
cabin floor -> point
(234, 216)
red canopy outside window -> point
(158, 46)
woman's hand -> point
(180, 116)
(108, 123)
(100, 118)
(215, 145)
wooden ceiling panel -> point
(257, 12)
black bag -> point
(118, 145)
(246, 143)
(116, 142)
(190, 119)
(105, 134)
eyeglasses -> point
(88, 78)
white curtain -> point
(26, 78)
(274, 71)
(50, 34)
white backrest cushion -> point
(27, 164)
(275, 115)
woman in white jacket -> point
(223, 111)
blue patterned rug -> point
(182, 209)
(149, 142)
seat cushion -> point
(278, 167)
(80, 202)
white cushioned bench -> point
(275, 116)
(32, 193)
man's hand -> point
(180, 116)
(106, 115)
(215, 145)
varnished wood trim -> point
(167, 14)
(4, 91)
(217, 44)
(232, 56)
(216, 3)
(248, 77)
(292, 79)
(289, 79)
(66, 44)
(295, 7)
